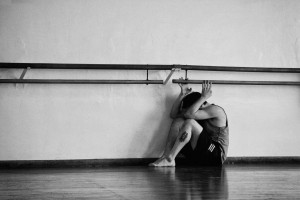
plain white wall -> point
(131, 121)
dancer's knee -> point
(190, 122)
(178, 121)
(191, 126)
(177, 124)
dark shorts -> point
(206, 152)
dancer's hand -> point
(206, 90)
(185, 89)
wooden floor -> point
(143, 183)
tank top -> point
(217, 134)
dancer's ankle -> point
(169, 159)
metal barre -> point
(147, 67)
(87, 81)
(79, 81)
(142, 67)
(228, 82)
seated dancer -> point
(199, 130)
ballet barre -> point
(79, 81)
(230, 82)
(175, 67)
(147, 67)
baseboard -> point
(80, 163)
(98, 163)
(264, 160)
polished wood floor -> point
(143, 183)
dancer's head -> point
(190, 99)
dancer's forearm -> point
(175, 112)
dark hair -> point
(190, 99)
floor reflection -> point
(184, 183)
(194, 183)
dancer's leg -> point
(172, 136)
(189, 132)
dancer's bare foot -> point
(156, 162)
(163, 163)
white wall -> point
(131, 121)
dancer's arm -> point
(176, 111)
(194, 111)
